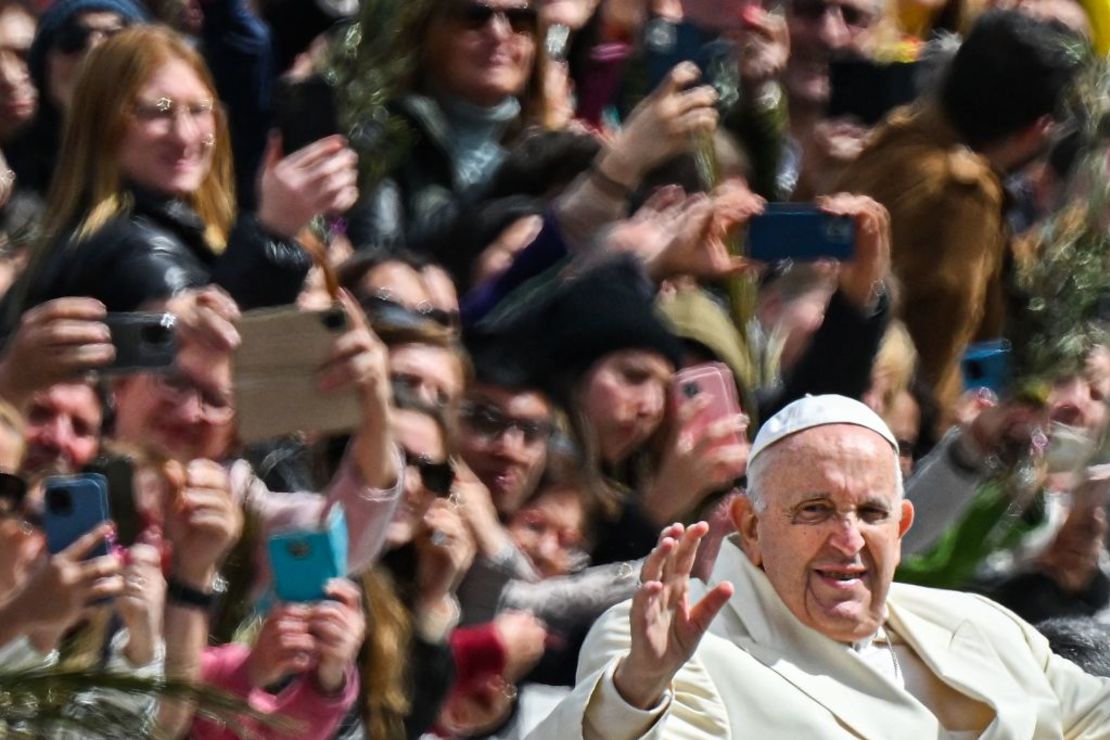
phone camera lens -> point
(299, 549)
(690, 390)
(157, 335)
(335, 320)
(59, 501)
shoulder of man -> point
(952, 609)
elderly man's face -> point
(829, 535)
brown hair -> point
(89, 188)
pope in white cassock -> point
(800, 632)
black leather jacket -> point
(157, 250)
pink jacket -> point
(316, 716)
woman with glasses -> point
(144, 207)
(478, 71)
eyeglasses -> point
(474, 16)
(74, 37)
(489, 423)
(815, 10)
(437, 477)
(382, 308)
(163, 111)
(177, 388)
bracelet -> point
(182, 595)
(608, 185)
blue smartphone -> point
(74, 506)
(801, 232)
(987, 365)
(303, 561)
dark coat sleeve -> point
(432, 669)
(839, 357)
(258, 269)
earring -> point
(209, 141)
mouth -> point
(842, 577)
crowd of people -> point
(542, 531)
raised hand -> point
(203, 521)
(141, 602)
(523, 636)
(339, 627)
(320, 178)
(285, 646)
(445, 550)
(207, 315)
(55, 341)
(664, 124)
(870, 265)
(665, 627)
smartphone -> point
(74, 506)
(712, 379)
(119, 473)
(303, 561)
(867, 90)
(305, 112)
(143, 341)
(276, 374)
(801, 232)
(987, 365)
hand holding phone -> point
(800, 232)
(143, 341)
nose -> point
(833, 31)
(499, 26)
(847, 539)
(510, 443)
(652, 401)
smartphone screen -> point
(306, 112)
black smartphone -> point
(801, 232)
(867, 90)
(305, 112)
(119, 472)
(143, 341)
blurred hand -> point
(59, 587)
(208, 316)
(318, 179)
(1005, 430)
(696, 464)
(476, 507)
(698, 243)
(666, 123)
(203, 520)
(870, 266)
(523, 637)
(55, 341)
(763, 46)
(665, 627)
(445, 551)
(834, 144)
(285, 646)
(339, 627)
(1072, 558)
(141, 602)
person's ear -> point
(746, 521)
(907, 519)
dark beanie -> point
(610, 308)
(56, 17)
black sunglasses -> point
(522, 19)
(437, 477)
(74, 37)
(490, 423)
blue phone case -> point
(800, 232)
(75, 505)
(303, 561)
(987, 365)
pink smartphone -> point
(712, 379)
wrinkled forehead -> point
(843, 455)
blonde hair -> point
(89, 188)
(895, 362)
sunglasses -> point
(473, 16)
(437, 477)
(74, 37)
(490, 424)
(385, 311)
(13, 495)
(815, 10)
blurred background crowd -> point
(510, 224)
